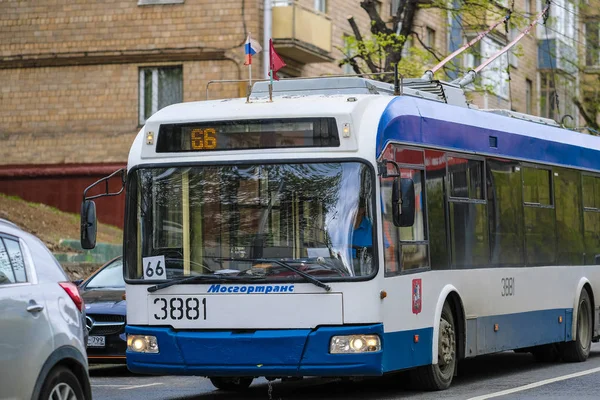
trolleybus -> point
(342, 229)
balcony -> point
(302, 34)
(556, 54)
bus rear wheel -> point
(234, 384)
(439, 376)
(579, 349)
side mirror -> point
(88, 224)
(403, 202)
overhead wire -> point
(552, 29)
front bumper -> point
(280, 352)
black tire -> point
(439, 376)
(61, 380)
(578, 350)
(233, 384)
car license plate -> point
(96, 341)
(176, 308)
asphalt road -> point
(500, 376)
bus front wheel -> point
(439, 376)
(579, 349)
(231, 383)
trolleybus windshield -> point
(267, 221)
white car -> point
(42, 323)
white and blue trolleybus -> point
(343, 229)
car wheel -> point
(61, 384)
(231, 383)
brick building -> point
(80, 77)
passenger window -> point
(16, 259)
(7, 275)
(469, 242)
(539, 217)
(505, 212)
(466, 180)
(591, 192)
(536, 186)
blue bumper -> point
(291, 352)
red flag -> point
(275, 62)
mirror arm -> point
(105, 180)
(382, 169)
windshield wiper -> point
(201, 278)
(306, 276)
(303, 274)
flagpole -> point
(249, 90)
(270, 85)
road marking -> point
(537, 384)
(141, 386)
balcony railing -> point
(300, 33)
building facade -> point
(80, 77)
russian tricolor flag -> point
(251, 47)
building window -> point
(527, 7)
(561, 22)
(528, 96)
(495, 76)
(547, 95)
(348, 53)
(159, 87)
(321, 6)
(592, 38)
(394, 7)
(555, 86)
(430, 38)
(408, 44)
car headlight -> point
(354, 344)
(142, 344)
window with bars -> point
(159, 87)
(556, 94)
(592, 39)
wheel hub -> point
(445, 343)
(62, 391)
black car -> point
(105, 307)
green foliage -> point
(418, 60)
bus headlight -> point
(354, 344)
(142, 344)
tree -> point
(386, 45)
(588, 103)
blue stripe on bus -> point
(401, 352)
(289, 352)
(518, 330)
(305, 352)
(430, 124)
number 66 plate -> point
(169, 309)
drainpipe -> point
(267, 23)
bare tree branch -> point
(589, 120)
(361, 45)
(353, 64)
(431, 50)
(377, 24)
